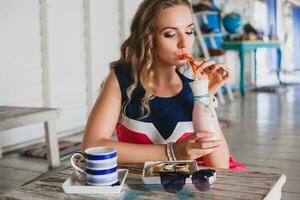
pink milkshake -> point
(204, 114)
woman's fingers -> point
(227, 73)
(206, 144)
(196, 153)
(200, 135)
(205, 64)
(217, 68)
(226, 76)
(223, 70)
(210, 67)
(196, 145)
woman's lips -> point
(183, 56)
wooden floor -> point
(265, 135)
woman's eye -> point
(169, 34)
(190, 32)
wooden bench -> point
(13, 117)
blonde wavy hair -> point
(138, 50)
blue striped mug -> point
(100, 166)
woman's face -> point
(174, 35)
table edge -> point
(273, 194)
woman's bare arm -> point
(101, 125)
(220, 157)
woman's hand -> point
(217, 74)
(196, 145)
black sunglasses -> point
(174, 181)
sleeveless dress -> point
(170, 118)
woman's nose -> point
(182, 44)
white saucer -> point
(72, 186)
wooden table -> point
(230, 185)
(244, 46)
(13, 117)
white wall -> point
(67, 56)
(66, 61)
(20, 62)
(105, 40)
(130, 7)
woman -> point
(147, 100)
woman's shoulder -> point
(123, 72)
(124, 77)
(123, 68)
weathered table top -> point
(13, 117)
(230, 185)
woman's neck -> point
(166, 81)
(164, 74)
